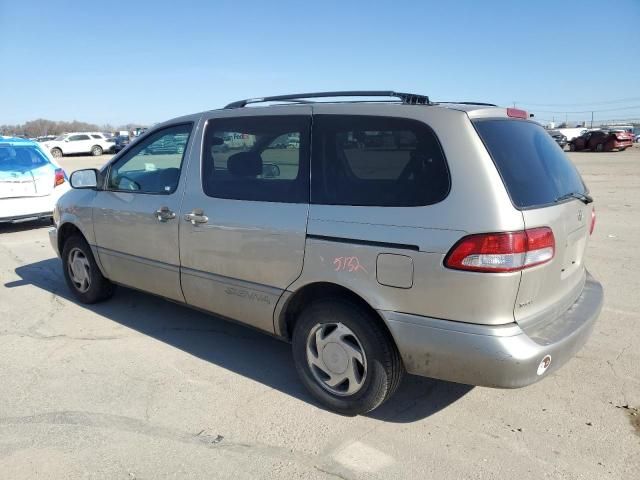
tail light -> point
(502, 252)
(60, 177)
(593, 221)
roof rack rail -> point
(473, 103)
(406, 98)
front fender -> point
(76, 208)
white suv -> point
(94, 143)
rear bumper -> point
(503, 356)
(622, 144)
(25, 218)
(22, 209)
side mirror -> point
(87, 178)
(270, 170)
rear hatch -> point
(623, 137)
(17, 184)
(543, 184)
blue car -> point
(31, 181)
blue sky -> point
(144, 61)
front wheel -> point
(572, 147)
(82, 274)
(56, 153)
(599, 147)
(96, 150)
(344, 357)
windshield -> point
(533, 167)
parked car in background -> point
(167, 146)
(572, 133)
(112, 145)
(601, 141)
(637, 139)
(46, 138)
(94, 143)
(381, 242)
(31, 182)
(560, 139)
(121, 141)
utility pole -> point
(591, 119)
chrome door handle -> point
(196, 216)
(163, 214)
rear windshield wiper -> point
(583, 197)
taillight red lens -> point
(593, 221)
(517, 113)
(502, 252)
(59, 178)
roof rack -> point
(406, 98)
(473, 103)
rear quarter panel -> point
(477, 202)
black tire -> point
(56, 153)
(572, 147)
(96, 150)
(384, 370)
(99, 288)
(599, 147)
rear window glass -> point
(376, 161)
(533, 167)
(20, 158)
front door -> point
(244, 214)
(136, 217)
(80, 143)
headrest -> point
(245, 164)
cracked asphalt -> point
(140, 388)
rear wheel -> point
(599, 147)
(56, 152)
(344, 357)
(82, 274)
(572, 147)
(96, 150)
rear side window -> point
(262, 158)
(376, 161)
(533, 167)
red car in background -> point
(602, 141)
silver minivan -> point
(378, 237)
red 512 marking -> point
(348, 264)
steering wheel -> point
(133, 185)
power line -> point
(588, 111)
(604, 102)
